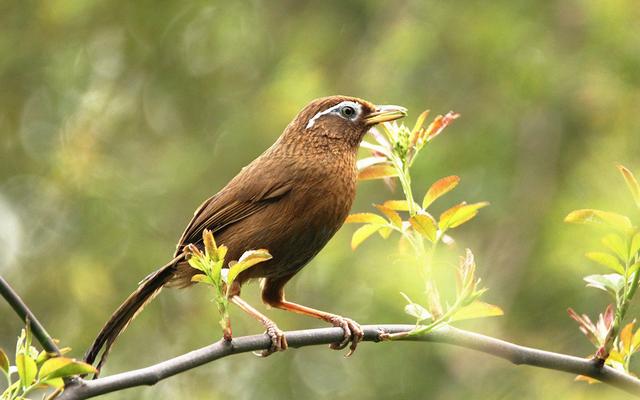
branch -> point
(27, 317)
(519, 355)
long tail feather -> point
(146, 291)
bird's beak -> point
(384, 114)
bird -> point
(290, 200)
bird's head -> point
(341, 119)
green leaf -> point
(600, 218)
(440, 188)
(362, 233)
(607, 260)
(477, 309)
(246, 261)
(385, 232)
(417, 311)
(56, 383)
(27, 369)
(62, 367)
(632, 183)
(365, 218)
(633, 268)
(377, 171)
(393, 216)
(635, 245)
(617, 245)
(4, 361)
(611, 283)
(201, 278)
(459, 214)
(424, 224)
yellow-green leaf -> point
(626, 337)
(477, 309)
(634, 248)
(61, 367)
(201, 278)
(439, 188)
(385, 232)
(27, 369)
(56, 383)
(362, 233)
(607, 260)
(365, 218)
(4, 361)
(377, 171)
(393, 216)
(632, 183)
(425, 224)
(246, 261)
(210, 244)
(399, 205)
(617, 245)
(459, 214)
(599, 218)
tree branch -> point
(27, 316)
(519, 355)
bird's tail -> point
(146, 291)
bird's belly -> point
(293, 235)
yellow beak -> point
(385, 113)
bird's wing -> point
(243, 196)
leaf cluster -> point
(37, 370)
(211, 264)
(621, 256)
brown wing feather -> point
(228, 207)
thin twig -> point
(83, 389)
(25, 315)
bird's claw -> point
(352, 333)
(278, 341)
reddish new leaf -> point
(439, 188)
(377, 171)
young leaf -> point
(626, 337)
(4, 361)
(393, 216)
(385, 232)
(424, 224)
(439, 188)
(635, 245)
(365, 218)
(377, 171)
(56, 383)
(362, 233)
(201, 278)
(62, 367)
(632, 183)
(439, 123)
(477, 309)
(369, 161)
(399, 205)
(611, 283)
(617, 245)
(27, 369)
(246, 261)
(599, 218)
(417, 311)
(607, 260)
(459, 214)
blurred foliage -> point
(118, 118)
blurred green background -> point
(118, 118)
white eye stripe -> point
(334, 109)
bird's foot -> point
(278, 341)
(352, 333)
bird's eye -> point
(348, 112)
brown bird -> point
(290, 200)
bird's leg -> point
(273, 295)
(278, 341)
